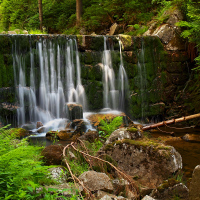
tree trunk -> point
(79, 11)
(170, 122)
(40, 13)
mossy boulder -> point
(150, 161)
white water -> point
(123, 84)
(110, 94)
(60, 82)
(57, 82)
(115, 90)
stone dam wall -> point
(155, 75)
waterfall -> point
(109, 93)
(51, 78)
(123, 84)
(142, 80)
(59, 77)
(114, 97)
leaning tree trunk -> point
(40, 13)
(79, 11)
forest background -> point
(96, 16)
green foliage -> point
(107, 127)
(21, 169)
(78, 165)
(192, 25)
(94, 146)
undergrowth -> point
(21, 168)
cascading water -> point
(123, 84)
(57, 83)
(54, 81)
(114, 97)
(142, 80)
(110, 94)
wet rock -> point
(96, 181)
(75, 111)
(194, 192)
(58, 174)
(53, 154)
(123, 133)
(114, 29)
(28, 127)
(40, 130)
(170, 189)
(39, 124)
(149, 161)
(80, 126)
(90, 136)
(65, 134)
(191, 138)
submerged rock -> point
(96, 181)
(191, 138)
(147, 161)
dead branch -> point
(120, 172)
(172, 121)
(73, 176)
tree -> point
(79, 11)
(40, 13)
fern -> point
(109, 127)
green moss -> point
(132, 130)
(126, 41)
(108, 147)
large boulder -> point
(168, 32)
(194, 193)
(148, 161)
(96, 181)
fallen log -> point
(172, 121)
